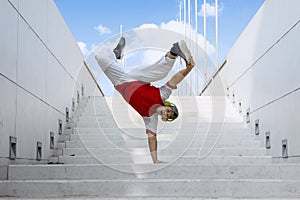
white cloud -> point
(84, 49)
(151, 55)
(148, 26)
(102, 29)
(179, 28)
(210, 10)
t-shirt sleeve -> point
(166, 91)
(151, 124)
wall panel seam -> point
(260, 57)
(19, 86)
(44, 44)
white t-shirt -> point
(152, 121)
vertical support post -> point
(180, 17)
(189, 17)
(205, 43)
(196, 42)
(190, 39)
(184, 18)
(123, 61)
(121, 29)
(217, 34)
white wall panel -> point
(273, 37)
(43, 61)
(30, 124)
(35, 13)
(281, 119)
(31, 71)
(273, 19)
(55, 83)
(73, 58)
(7, 114)
(69, 88)
(8, 39)
(273, 76)
(56, 32)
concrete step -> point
(173, 132)
(116, 162)
(170, 128)
(204, 188)
(151, 171)
(243, 150)
(223, 160)
(169, 151)
(161, 134)
(142, 159)
(146, 198)
(123, 157)
(162, 137)
(184, 117)
(95, 119)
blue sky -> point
(82, 16)
(94, 21)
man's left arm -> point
(151, 130)
(179, 76)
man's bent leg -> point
(111, 67)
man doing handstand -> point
(149, 101)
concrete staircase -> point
(104, 154)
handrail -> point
(211, 79)
(87, 67)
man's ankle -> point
(170, 55)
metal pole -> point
(180, 18)
(123, 61)
(189, 16)
(189, 22)
(217, 36)
(196, 42)
(205, 43)
(184, 18)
